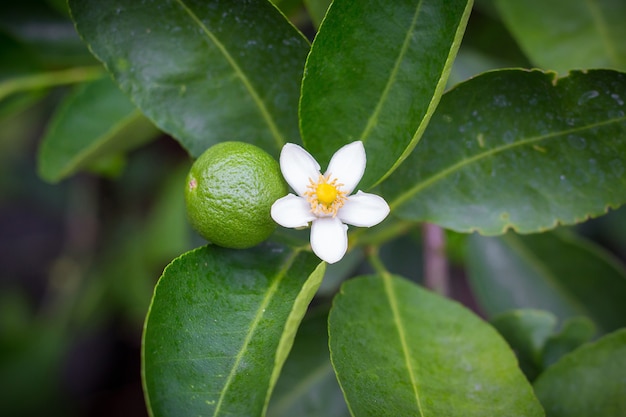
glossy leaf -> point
(220, 327)
(526, 331)
(569, 34)
(518, 149)
(557, 272)
(375, 73)
(587, 382)
(400, 350)
(307, 385)
(94, 122)
(202, 71)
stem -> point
(49, 79)
(389, 230)
(436, 275)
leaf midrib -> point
(373, 119)
(74, 163)
(393, 304)
(265, 114)
(442, 174)
(437, 93)
(252, 329)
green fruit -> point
(229, 192)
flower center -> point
(326, 193)
(325, 196)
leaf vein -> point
(257, 319)
(411, 192)
(372, 121)
(401, 334)
(437, 93)
(265, 114)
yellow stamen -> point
(325, 196)
(326, 193)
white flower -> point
(325, 200)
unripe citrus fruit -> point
(229, 192)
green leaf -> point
(400, 350)
(307, 385)
(531, 334)
(518, 149)
(575, 332)
(564, 35)
(220, 327)
(375, 73)
(526, 331)
(557, 272)
(202, 71)
(94, 122)
(587, 382)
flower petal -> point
(348, 165)
(297, 166)
(329, 239)
(363, 210)
(292, 211)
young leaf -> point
(575, 332)
(94, 122)
(518, 149)
(558, 272)
(399, 350)
(565, 35)
(307, 385)
(220, 327)
(587, 382)
(203, 71)
(375, 73)
(526, 331)
(530, 333)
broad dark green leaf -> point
(557, 272)
(569, 34)
(587, 382)
(220, 327)
(94, 122)
(202, 71)
(400, 350)
(526, 331)
(518, 149)
(375, 73)
(307, 385)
